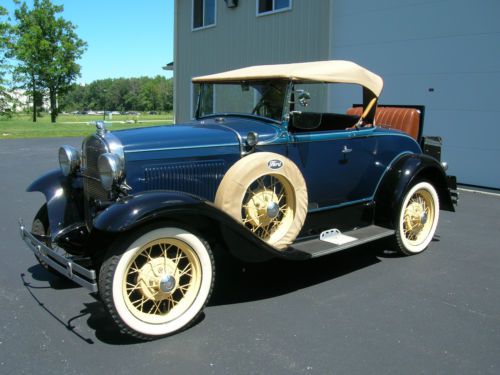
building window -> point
(272, 6)
(203, 13)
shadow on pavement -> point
(236, 282)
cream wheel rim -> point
(418, 217)
(268, 207)
(162, 280)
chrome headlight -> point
(110, 169)
(252, 139)
(69, 160)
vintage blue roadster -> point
(270, 167)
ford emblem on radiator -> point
(274, 164)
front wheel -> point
(41, 228)
(418, 219)
(157, 282)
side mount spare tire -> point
(266, 193)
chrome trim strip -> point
(64, 265)
(350, 203)
(181, 148)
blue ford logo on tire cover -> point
(274, 164)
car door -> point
(338, 166)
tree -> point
(4, 39)
(47, 48)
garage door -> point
(441, 54)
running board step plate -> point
(332, 240)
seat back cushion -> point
(404, 119)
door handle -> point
(346, 150)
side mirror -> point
(304, 98)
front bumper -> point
(64, 264)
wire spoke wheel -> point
(418, 218)
(267, 194)
(162, 281)
(157, 281)
(268, 207)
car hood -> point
(216, 132)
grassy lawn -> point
(21, 126)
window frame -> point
(274, 11)
(203, 27)
(195, 102)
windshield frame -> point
(285, 85)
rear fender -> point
(404, 173)
(186, 210)
(64, 197)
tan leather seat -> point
(403, 119)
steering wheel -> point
(261, 108)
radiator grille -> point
(200, 178)
(92, 148)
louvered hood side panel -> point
(200, 178)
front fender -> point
(185, 209)
(405, 172)
(63, 195)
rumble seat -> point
(404, 119)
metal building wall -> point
(241, 38)
(442, 54)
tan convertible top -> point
(334, 71)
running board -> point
(332, 240)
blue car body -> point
(136, 213)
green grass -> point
(21, 126)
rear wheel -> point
(418, 219)
(157, 282)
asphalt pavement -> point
(362, 311)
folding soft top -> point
(334, 71)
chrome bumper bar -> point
(65, 265)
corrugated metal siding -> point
(241, 38)
(441, 54)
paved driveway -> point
(363, 311)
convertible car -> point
(273, 165)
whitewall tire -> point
(158, 282)
(417, 219)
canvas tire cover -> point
(242, 174)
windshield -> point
(263, 99)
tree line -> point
(39, 51)
(120, 94)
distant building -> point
(441, 54)
(21, 101)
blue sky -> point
(126, 38)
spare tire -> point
(266, 193)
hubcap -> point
(167, 284)
(272, 210)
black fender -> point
(64, 197)
(402, 174)
(187, 210)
